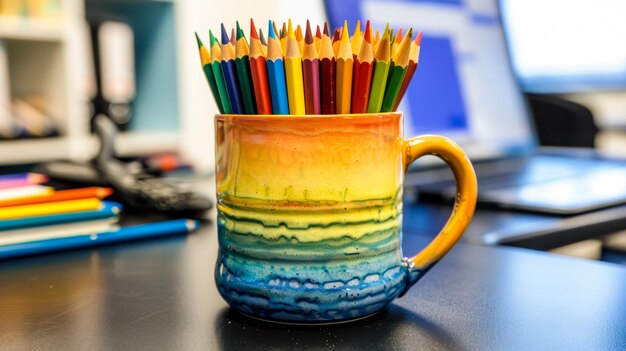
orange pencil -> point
(344, 72)
(413, 60)
(362, 75)
(300, 39)
(396, 43)
(61, 195)
(258, 71)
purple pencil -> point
(311, 73)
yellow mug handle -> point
(465, 201)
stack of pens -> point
(296, 73)
(38, 219)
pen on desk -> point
(124, 234)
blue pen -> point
(229, 72)
(276, 74)
(130, 233)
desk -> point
(528, 230)
(161, 295)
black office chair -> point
(561, 122)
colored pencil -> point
(336, 41)
(28, 179)
(61, 195)
(283, 38)
(205, 60)
(242, 63)
(216, 67)
(230, 73)
(300, 39)
(356, 40)
(344, 72)
(396, 42)
(382, 62)
(311, 73)
(276, 74)
(13, 176)
(363, 69)
(327, 74)
(263, 42)
(397, 72)
(42, 209)
(24, 192)
(376, 41)
(414, 54)
(293, 74)
(123, 234)
(259, 73)
(318, 38)
(232, 36)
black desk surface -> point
(522, 229)
(161, 295)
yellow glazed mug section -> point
(320, 166)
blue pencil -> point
(136, 232)
(276, 74)
(229, 71)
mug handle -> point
(464, 205)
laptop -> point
(465, 89)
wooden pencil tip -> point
(418, 39)
(290, 32)
(299, 36)
(225, 39)
(253, 32)
(326, 29)
(345, 35)
(262, 37)
(212, 38)
(238, 31)
(357, 29)
(270, 31)
(368, 33)
(308, 38)
(232, 36)
(198, 40)
(399, 36)
(318, 32)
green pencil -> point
(381, 71)
(205, 59)
(242, 63)
(397, 72)
(216, 57)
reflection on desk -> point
(161, 295)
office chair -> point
(560, 122)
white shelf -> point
(33, 150)
(35, 29)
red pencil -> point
(413, 60)
(311, 73)
(258, 71)
(362, 73)
(327, 74)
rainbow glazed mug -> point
(310, 213)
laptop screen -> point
(464, 87)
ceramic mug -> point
(310, 213)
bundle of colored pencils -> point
(296, 73)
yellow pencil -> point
(357, 39)
(50, 208)
(293, 74)
(344, 71)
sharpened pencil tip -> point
(238, 31)
(326, 29)
(253, 32)
(225, 39)
(368, 32)
(212, 38)
(345, 34)
(270, 31)
(418, 39)
(290, 32)
(318, 32)
(308, 38)
(198, 40)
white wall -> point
(197, 105)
